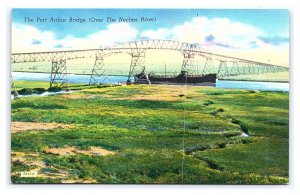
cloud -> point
(223, 45)
(215, 32)
(161, 33)
(209, 32)
(58, 46)
(209, 38)
(119, 32)
(35, 42)
(239, 39)
(275, 40)
(253, 44)
(29, 38)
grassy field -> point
(151, 134)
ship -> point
(181, 78)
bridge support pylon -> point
(188, 64)
(58, 73)
(208, 65)
(137, 68)
(223, 69)
(97, 75)
(235, 69)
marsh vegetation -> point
(148, 133)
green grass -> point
(257, 157)
(21, 84)
(147, 135)
(18, 85)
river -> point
(72, 78)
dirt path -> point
(92, 151)
(25, 126)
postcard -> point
(150, 96)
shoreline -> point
(254, 80)
(275, 81)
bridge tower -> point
(235, 68)
(58, 73)
(137, 68)
(208, 66)
(188, 64)
(97, 75)
(223, 68)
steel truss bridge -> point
(226, 65)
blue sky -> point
(270, 21)
(258, 33)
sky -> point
(261, 35)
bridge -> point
(226, 65)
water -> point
(253, 85)
(44, 94)
(72, 78)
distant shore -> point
(221, 79)
(70, 73)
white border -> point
(7, 188)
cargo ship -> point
(182, 78)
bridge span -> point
(226, 65)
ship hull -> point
(208, 78)
(182, 78)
